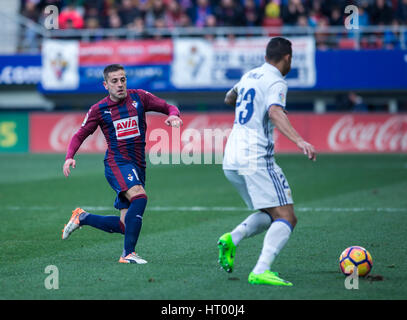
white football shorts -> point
(264, 188)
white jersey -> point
(250, 144)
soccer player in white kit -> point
(260, 100)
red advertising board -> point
(51, 132)
(141, 52)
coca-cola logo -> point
(66, 127)
(351, 134)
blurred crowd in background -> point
(210, 13)
(141, 14)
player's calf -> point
(133, 222)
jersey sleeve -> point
(276, 95)
(89, 125)
(153, 103)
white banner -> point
(60, 65)
(200, 63)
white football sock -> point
(252, 225)
(275, 239)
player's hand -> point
(173, 121)
(67, 166)
(308, 149)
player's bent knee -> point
(134, 192)
(290, 217)
(285, 213)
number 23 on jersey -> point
(244, 105)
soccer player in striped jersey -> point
(260, 101)
(122, 118)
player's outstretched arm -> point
(153, 103)
(89, 125)
(280, 119)
(67, 166)
(73, 147)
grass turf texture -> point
(341, 200)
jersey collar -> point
(273, 69)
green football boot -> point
(227, 251)
(268, 277)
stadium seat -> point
(273, 22)
(345, 43)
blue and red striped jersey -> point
(123, 124)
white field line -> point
(204, 208)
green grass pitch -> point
(340, 200)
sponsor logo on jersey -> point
(126, 128)
(281, 96)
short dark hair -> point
(111, 68)
(277, 48)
